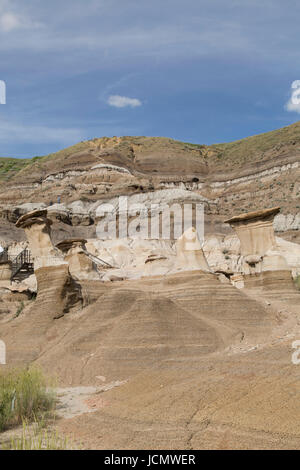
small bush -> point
(20, 309)
(23, 395)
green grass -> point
(23, 396)
(11, 166)
(232, 154)
(35, 438)
(20, 309)
(245, 149)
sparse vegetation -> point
(20, 309)
(35, 438)
(297, 281)
(23, 396)
(245, 150)
(11, 166)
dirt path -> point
(74, 401)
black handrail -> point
(23, 258)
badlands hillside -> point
(254, 173)
(159, 343)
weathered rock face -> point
(285, 222)
(136, 258)
(258, 244)
(37, 229)
(223, 254)
(255, 231)
(58, 292)
(5, 273)
(133, 325)
(189, 252)
(120, 259)
(81, 266)
(105, 168)
(263, 264)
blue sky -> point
(203, 71)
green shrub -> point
(23, 395)
(20, 309)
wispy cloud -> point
(9, 22)
(13, 19)
(293, 103)
(118, 101)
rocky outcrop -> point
(5, 273)
(134, 326)
(285, 222)
(37, 229)
(263, 263)
(58, 292)
(81, 266)
(258, 244)
(255, 231)
(291, 252)
(252, 173)
(189, 253)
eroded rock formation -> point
(261, 256)
(81, 266)
(189, 253)
(5, 273)
(57, 290)
(37, 228)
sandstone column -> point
(5, 273)
(81, 265)
(255, 231)
(38, 232)
(190, 255)
(261, 255)
(57, 290)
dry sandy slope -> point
(244, 401)
(133, 325)
(204, 365)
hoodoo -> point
(263, 264)
(55, 286)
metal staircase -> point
(21, 265)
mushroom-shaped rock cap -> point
(65, 245)
(262, 214)
(37, 216)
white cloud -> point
(122, 101)
(9, 22)
(293, 104)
